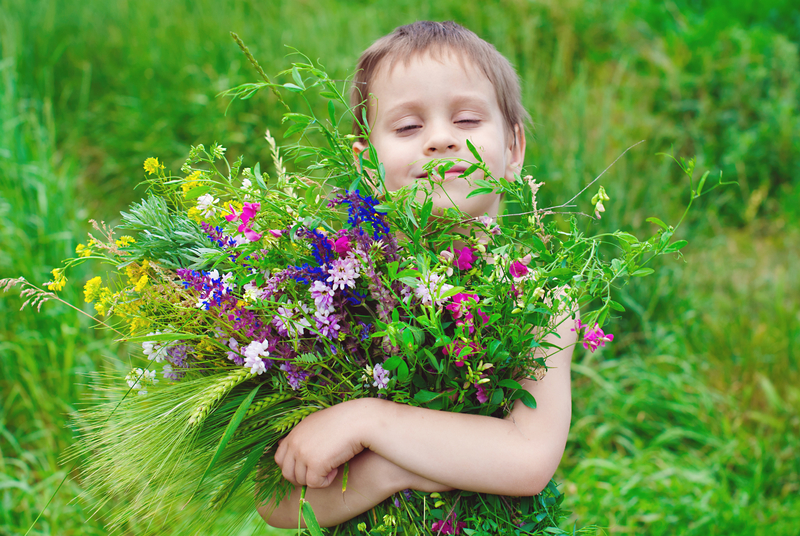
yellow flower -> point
(194, 213)
(192, 181)
(138, 323)
(141, 283)
(124, 241)
(151, 165)
(91, 291)
(58, 281)
(82, 251)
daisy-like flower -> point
(254, 353)
(205, 205)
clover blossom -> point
(154, 350)
(343, 273)
(431, 289)
(381, 376)
(322, 295)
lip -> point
(451, 174)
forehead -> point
(427, 75)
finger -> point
(288, 471)
(301, 473)
(317, 480)
(280, 454)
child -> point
(431, 87)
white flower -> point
(217, 151)
(139, 379)
(205, 205)
(247, 184)
(252, 292)
(254, 354)
(227, 286)
(157, 351)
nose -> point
(441, 139)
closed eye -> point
(407, 129)
(469, 121)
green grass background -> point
(688, 423)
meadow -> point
(689, 423)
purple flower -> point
(294, 374)
(381, 377)
(595, 338)
(448, 526)
(233, 354)
(322, 295)
(328, 326)
(518, 269)
(254, 354)
(481, 395)
(342, 245)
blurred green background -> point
(689, 423)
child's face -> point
(427, 109)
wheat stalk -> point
(216, 393)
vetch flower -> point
(595, 338)
(254, 353)
(431, 289)
(464, 258)
(343, 273)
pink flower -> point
(518, 269)
(481, 395)
(461, 303)
(447, 527)
(342, 245)
(248, 212)
(595, 338)
(464, 258)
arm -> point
(371, 479)
(513, 456)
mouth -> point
(451, 174)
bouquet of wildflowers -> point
(259, 298)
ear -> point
(515, 153)
(358, 147)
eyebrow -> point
(458, 100)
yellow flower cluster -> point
(194, 214)
(58, 281)
(82, 251)
(124, 241)
(93, 291)
(151, 165)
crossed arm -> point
(393, 446)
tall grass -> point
(687, 424)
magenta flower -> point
(447, 526)
(342, 245)
(595, 338)
(248, 212)
(481, 395)
(464, 258)
(518, 269)
(460, 304)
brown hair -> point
(411, 40)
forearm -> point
(371, 480)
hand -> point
(320, 443)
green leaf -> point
(527, 398)
(194, 193)
(311, 519)
(480, 191)
(392, 363)
(249, 464)
(616, 306)
(675, 246)
(423, 396)
(511, 384)
(641, 272)
(293, 88)
(162, 337)
(226, 436)
(474, 151)
(297, 78)
(332, 112)
(259, 178)
(658, 222)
